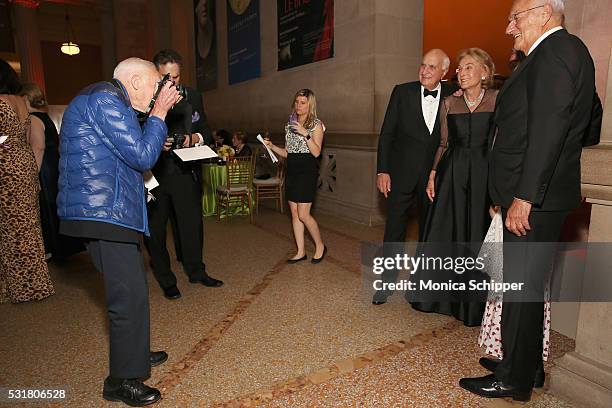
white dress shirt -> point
(543, 37)
(430, 105)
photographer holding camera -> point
(101, 198)
(179, 194)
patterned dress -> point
(23, 271)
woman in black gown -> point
(56, 245)
(458, 186)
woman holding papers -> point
(303, 143)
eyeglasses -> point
(514, 16)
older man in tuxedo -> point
(408, 140)
(545, 113)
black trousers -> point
(399, 204)
(127, 302)
(180, 195)
(522, 323)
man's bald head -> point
(433, 68)
(139, 77)
(131, 66)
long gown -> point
(23, 271)
(460, 211)
(59, 246)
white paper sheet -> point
(195, 153)
(150, 180)
(270, 152)
(150, 183)
(3, 139)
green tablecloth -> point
(212, 176)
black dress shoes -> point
(318, 260)
(294, 261)
(380, 298)
(491, 364)
(490, 387)
(172, 292)
(157, 357)
(207, 281)
(131, 392)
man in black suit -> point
(179, 194)
(408, 141)
(546, 112)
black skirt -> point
(301, 177)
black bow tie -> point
(427, 92)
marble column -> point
(28, 43)
(585, 375)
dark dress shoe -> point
(318, 260)
(490, 387)
(207, 281)
(157, 358)
(491, 364)
(380, 298)
(294, 261)
(131, 392)
(172, 292)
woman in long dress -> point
(303, 144)
(457, 187)
(23, 271)
(57, 246)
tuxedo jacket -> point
(545, 112)
(405, 146)
(185, 118)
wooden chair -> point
(271, 188)
(238, 190)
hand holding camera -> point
(167, 96)
(176, 141)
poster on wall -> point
(305, 32)
(243, 40)
(206, 44)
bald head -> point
(139, 77)
(433, 68)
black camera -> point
(178, 141)
(180, 89)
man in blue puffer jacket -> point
(102, 199)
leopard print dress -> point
(24, 275)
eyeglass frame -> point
(514, 16)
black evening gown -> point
(460, 211)
(59, 246)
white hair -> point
(131, 66)
(558, 6)
(446, 62)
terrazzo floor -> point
(275, 335)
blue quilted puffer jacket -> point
(103, 152)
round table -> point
(213, 175)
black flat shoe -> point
(208, 281)
(491, 364)
(318, 260)
(157, 358)
(134, 393)
(172, 293)
(490, 387)
(294, 261)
